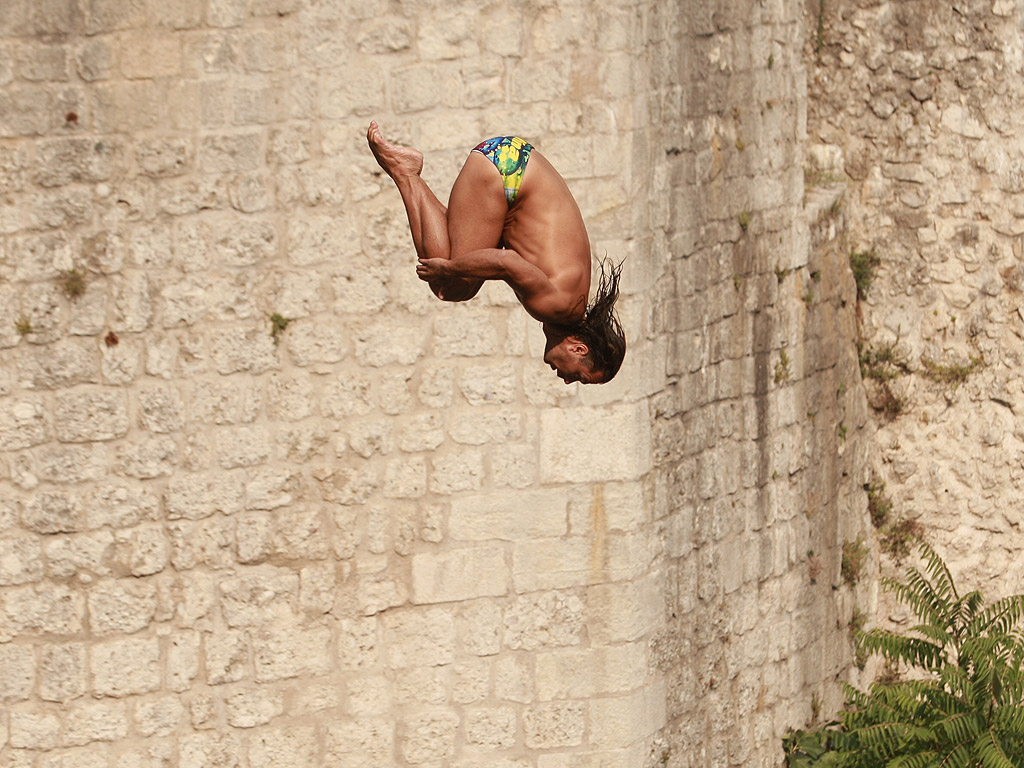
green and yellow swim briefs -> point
(509, 155)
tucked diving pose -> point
(511, 217)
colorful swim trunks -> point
(509, 155)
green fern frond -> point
(940, 574)
(991, 752)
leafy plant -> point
(855, 554)
(72, 283)
(951, 374)
(278, 323)
(961, 704)
(782, 367)
(23, 326)
(864, 265)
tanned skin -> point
(539, 246)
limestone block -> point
(91, 415)
(418, 637)
(476, 428)
(161, 409)
(43, 608)
(199, 495)
(421, 432)
(468, 332)
(555, 564)
(491, 727)
(347, 395)
(310, 342)
(240, 350)
(92, 721)
(617, 507)
(573, 444)
(471, 681)
(123, 606)
(158, 717)
(259, 596)
(17, 672)
(380, 344)
(53, 512)
(429, 736)
(225, 656)
(62, 672)
(230, 152)
(290, 652)
(133, 302)
(239, 241)
(217, 402)
(513, 679)
(624, 720)
(582, 673)
(461, 574)
(21, 559)
(295, 746)
(37, 257)
(436, 388)
(511, 516)
(361, 292)
(360, 743)
(87, 554)
(30, 730)
(63, 161)
(544, 620)
(483, 384)
(252, 707)
(125, 666)
(210, 750)
(453, 472)
(624, 611)
(357, 643)
(514, 466)
(557, 724)
(405, 478)
(369, 437)
(182, 660)
(299, 535)
(63, 364)
(242, 446)
(23, 423)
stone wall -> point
(915, 105)
(264, 501)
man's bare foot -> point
(395, 160)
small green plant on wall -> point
(72, 283)
(960, 700)
(23, 326)
(864, 265)
(278, 323)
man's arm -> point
(531, 285)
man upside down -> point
(511, 217)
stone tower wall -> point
(264, 501)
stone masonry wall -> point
(915, 105)
(265, 501)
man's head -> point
(592, 351)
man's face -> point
(569, 359)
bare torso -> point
(546, 228)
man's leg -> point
(428, 218)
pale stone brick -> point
(420, 637)
(146, 457)
(429, 736)
(119, 506)
(123, 606)
(383, 344)
(453, 472)
(405, 478)
(92, 721)
(473, 428)
(219, 402)
(259, 596)
(559, 724)
(31, 730)
(21, 560)
(348, 395)
(491, 727)
(290, 652)
(470, 333)
(62, 672)
(371, 695)
(623, 611)
(513, 679)
(225, 656)
(510, 516)
(295, 746)
(311, 342)
(123, 667)
(62, 364)
(555, 564)
(621, 721)
(146, 550)
(161, 409)
(357, 643)
(224, 153)
(472, 681)
(514, 466)
(252, 707)
(41, 609)
(182, 660)
(23, 423)
(87, 554)
(360, 743)
(17, 672)
(437, 386)
(583, 673)
(253, 533)
(421, 432)
(242, 446)
(299, 535)
(92, 756)
(271, 489)
(239, 350)
(375, 594)
(478, 627)
(362, 94)
(64, 161)
(573, 447)
(462, 574)
(488, 384)
(544, 620)
(369, 437)
(210, 750)
(158, 717)
(91, 415)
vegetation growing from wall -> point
(957, 698)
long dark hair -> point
(600, 329)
